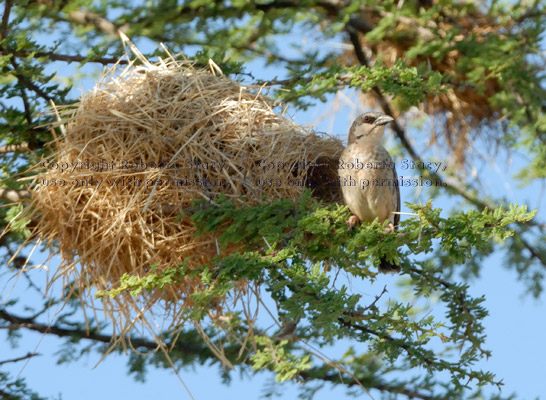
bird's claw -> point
(351, 222)
(390, 228)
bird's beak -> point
(383, 120)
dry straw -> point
(135, 151)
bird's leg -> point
(390, 228)
(353, 219)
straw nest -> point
(134, 154)
(463, 108)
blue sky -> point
(514, 327)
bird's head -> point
(369, 127)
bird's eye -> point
(367, 118)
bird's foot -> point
(390, 228)
(351, 222)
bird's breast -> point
(368, 181)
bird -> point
(369, 183)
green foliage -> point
(275, 356)
(406, 84)
(17, 389)
(135, 284)
(290, 247)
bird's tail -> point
(387, 267)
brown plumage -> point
(369, 182)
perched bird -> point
(369, 182)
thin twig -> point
(28, 355)
(14, 195)
(27, 83)
(64, 57)
(14, 148)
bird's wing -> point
(397, 194)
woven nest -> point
(463, 107)
(138, 149)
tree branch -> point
(28, 355)
(534, 252)
(14, 195)
(383, 387)
(5, 18)
(15, 148)
(85, 17)
(18, 322)
(64, 57)
(88, 18)
(27, 83)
